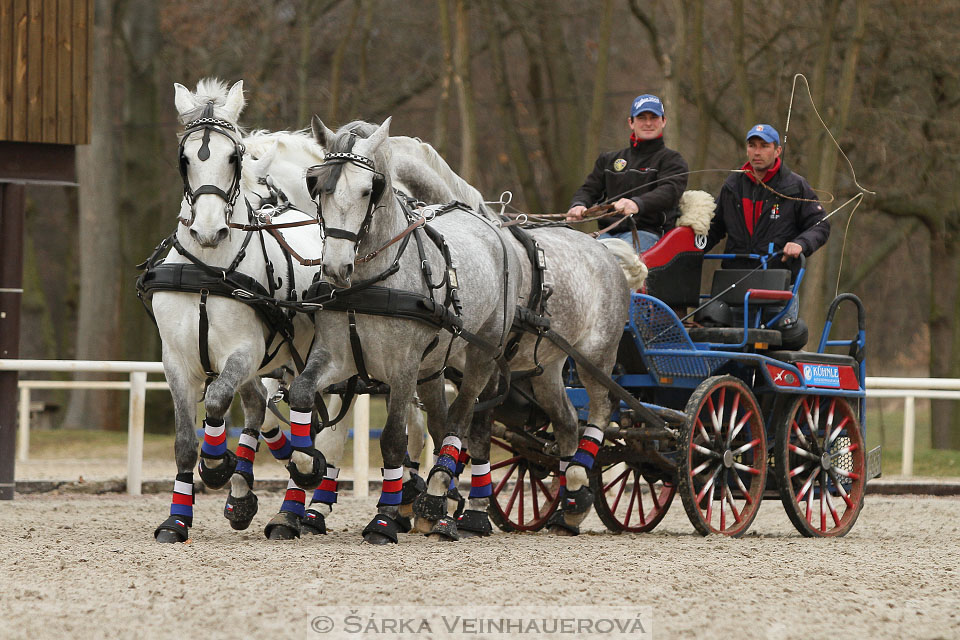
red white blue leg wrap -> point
(182, 504)
(246, 452)
(392, 491)
(214, 438)
(279, 444)
(448, 455)
(480, 484)
(327, 491)
(300, 429)
(294, 499)
(589, 446)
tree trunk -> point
(507, 110)
(441, 123)
(98, 330)
(336, 65)
(944, 333)
(465, 99)
(597, 110)
(700, 91)
(749, 117)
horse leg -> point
(383, 528)
(185, 399)
(474, 520)
(217, 462)
(331, 442)
(241, 505)
(432, 505)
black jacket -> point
(786, 212)
(638, 173)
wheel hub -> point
(825, 461)
(728, 458)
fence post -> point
(361, 446)
(23, 432)
(909, 429)
(138, 395)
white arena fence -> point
(877, 387)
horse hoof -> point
(173, 529)
(377, 538)
(240, 511)
(430, 507)
(558, 525)
(562, 531)
(283, 526)
(382, 529)
(217, 477)
(423, 525)
(167, 537)
(313, 523)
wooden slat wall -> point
(45, 67)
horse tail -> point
(633, 268)
(696, 211)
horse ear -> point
(378, 136)
(235, 102)
(261, 166)
(321, 134)
(182, 98)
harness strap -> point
(357, 347)
(204, 330)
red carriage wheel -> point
(723, 461)
(820, 462)
(525, 494)
(627, 500)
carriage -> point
(743, 413)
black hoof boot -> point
(412, 488)
(313, 523)
(430, 507)
(404, 523)
(445, 529)
(283, 526)
(174, 529)
(240, 511)
(217, 477)
(381, 530)
(472, 523)
(312, 479)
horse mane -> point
(209, 90)
(343, 140)
(425, 172)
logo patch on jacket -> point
(619, 164)
(775, 212)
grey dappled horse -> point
(360, 215)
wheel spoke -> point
(702, 430)
(802, 452)
(823, 502)
(520, 485)
(502, 445)
(708, 485)
(736, 430)
(733, 509)
(701, 468)
(513, 496)
(836, 432)
(707, 452)
(746, 447)
(807, 485)
(733, 417)
(843, 492)
(714, 421)
(743, 488)
(798, 470)
(723, 512)
(504, 479)
(623, 485)
(502, 464)
(654, 496)
(796, 428)
(614, 481)
(637, 492)
(849, 474)
(848, 449)
(743, 467)
(633, 496)
(833, 510)
(533, 497)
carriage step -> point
(873, 464)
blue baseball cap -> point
(646, 102)
(764, 132)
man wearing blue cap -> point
(766, 202)
(643, 181)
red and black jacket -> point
(641, 172)
(780, 210)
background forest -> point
(522, 95)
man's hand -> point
(626, 206)
(576, 212)
(791, 250)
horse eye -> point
(233, 159)
(365, 193)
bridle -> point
(336, 162)
(207, 123)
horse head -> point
(348, 188)
(210, 157)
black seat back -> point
(775, 279)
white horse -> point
(235, 342)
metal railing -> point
(877, 387)
(910, 389)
